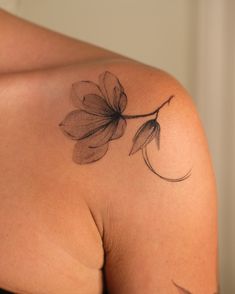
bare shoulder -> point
(128, 139)
(155, 186)
(149, 178)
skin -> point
(46, 50)
(67, 228)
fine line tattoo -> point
(182, 290)
(99, 119)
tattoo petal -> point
(84, 154)
(103, 135)
(81, 89)
(108, 82)
(119, 100)
(121, 127)
(144, 135)
(157, 135)
(79, 124)
(96, 105)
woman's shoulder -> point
(153, 190)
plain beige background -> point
(194, 41)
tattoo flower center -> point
(99, 119)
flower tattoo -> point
(99, 119)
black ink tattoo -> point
(99, 119)
(182, 290)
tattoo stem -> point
(127, 116)
(147, 162)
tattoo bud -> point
(149, 131)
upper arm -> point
(159, 234)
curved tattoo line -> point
(99, 119)
(146, 160)
(182, 290)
